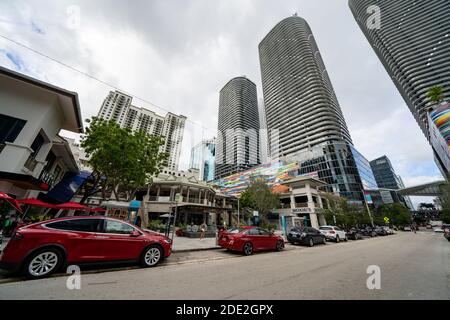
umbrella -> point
(71, 206)
(11, 200)
(36, 202)
(166, 216)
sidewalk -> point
(193, 244)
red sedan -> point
(42, 248)
(250, 239)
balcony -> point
(31, 163)
(301, 205)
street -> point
(413, 266)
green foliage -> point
(398, 214)
(259, 197)
(445, 203)
(435, 94)
(128, 160)
(345, 214)
(155, 225)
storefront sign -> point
(301, 210)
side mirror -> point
(135, 234)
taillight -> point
(17, 236)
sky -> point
(176, 55)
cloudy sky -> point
(177, 54)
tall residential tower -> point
(238, 128)
(117, 107)
(412, 41)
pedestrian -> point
(203, 229)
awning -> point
(11, 201)
(98, 209)
(36, 202)
(71, 206)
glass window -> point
(118, 227)
(253, 232)
(263, 232)
(83, 225)
(10, 128)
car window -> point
(118, 227)
(337, 229)
(326, 228)
(253, 232)
(234, 230)
(263, 232)
(84, 225)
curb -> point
(196, 249)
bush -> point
(155, 225)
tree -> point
(435, 94)
(397, 214)
(125, 160)
(344, 214)
(445, 203)
(259, 197)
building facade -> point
(238, 128)
(298, 96)
(385, 174)
(118, 107)
(202, 158)
(304, 120)
(413, 43)
(33, 157)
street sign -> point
(386, 220)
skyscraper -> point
(299, 99)
(238, 128)
(117, 107)
(304, 120)
(202, 159)
(385, 174)
(412, 41)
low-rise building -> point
(33, 157)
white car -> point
(438, 230)
(333, 233)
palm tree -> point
(435, 94)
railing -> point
(31, 163)
(48, 178)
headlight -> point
(168, 241)
(303, 234)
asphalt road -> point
(413, 266)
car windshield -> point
(235, 230)
(326, 228)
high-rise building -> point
(385, 174)
(202, 159)
(117, 107)
(412, 41)
(299, 99)
(304, 120)
(263, 136)
(238, 128)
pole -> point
(368, 209)
(238, 214)
(174, 220)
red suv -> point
(250, 239)
(42, 248)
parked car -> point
(250, 239)
(429, 226)
(447, 233)
(306, 236)
(368, 232)
(333, 233)
(381, 231)
(407, 228)
(354, 234)
(438, 230)
(42, 248)
(388, 230)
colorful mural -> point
(441, 118)
(273, 173)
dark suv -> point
(306, 236)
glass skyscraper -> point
(202, 159)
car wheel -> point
(345, 239)
(311, 242)
(151, 256)
(248, 249)
(337, 239)
(324, 240)
(280, 245)
(43, 263)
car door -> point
(79, 237)
(119, 241)
(255, 238)
(316, 235)
(268, 240)
(340, 232)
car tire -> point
(337, 239)
(280, 245)
(247, 249)
(345, 239)
(324, 240)
(42, 263)
(311, 242)
(151, 256)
